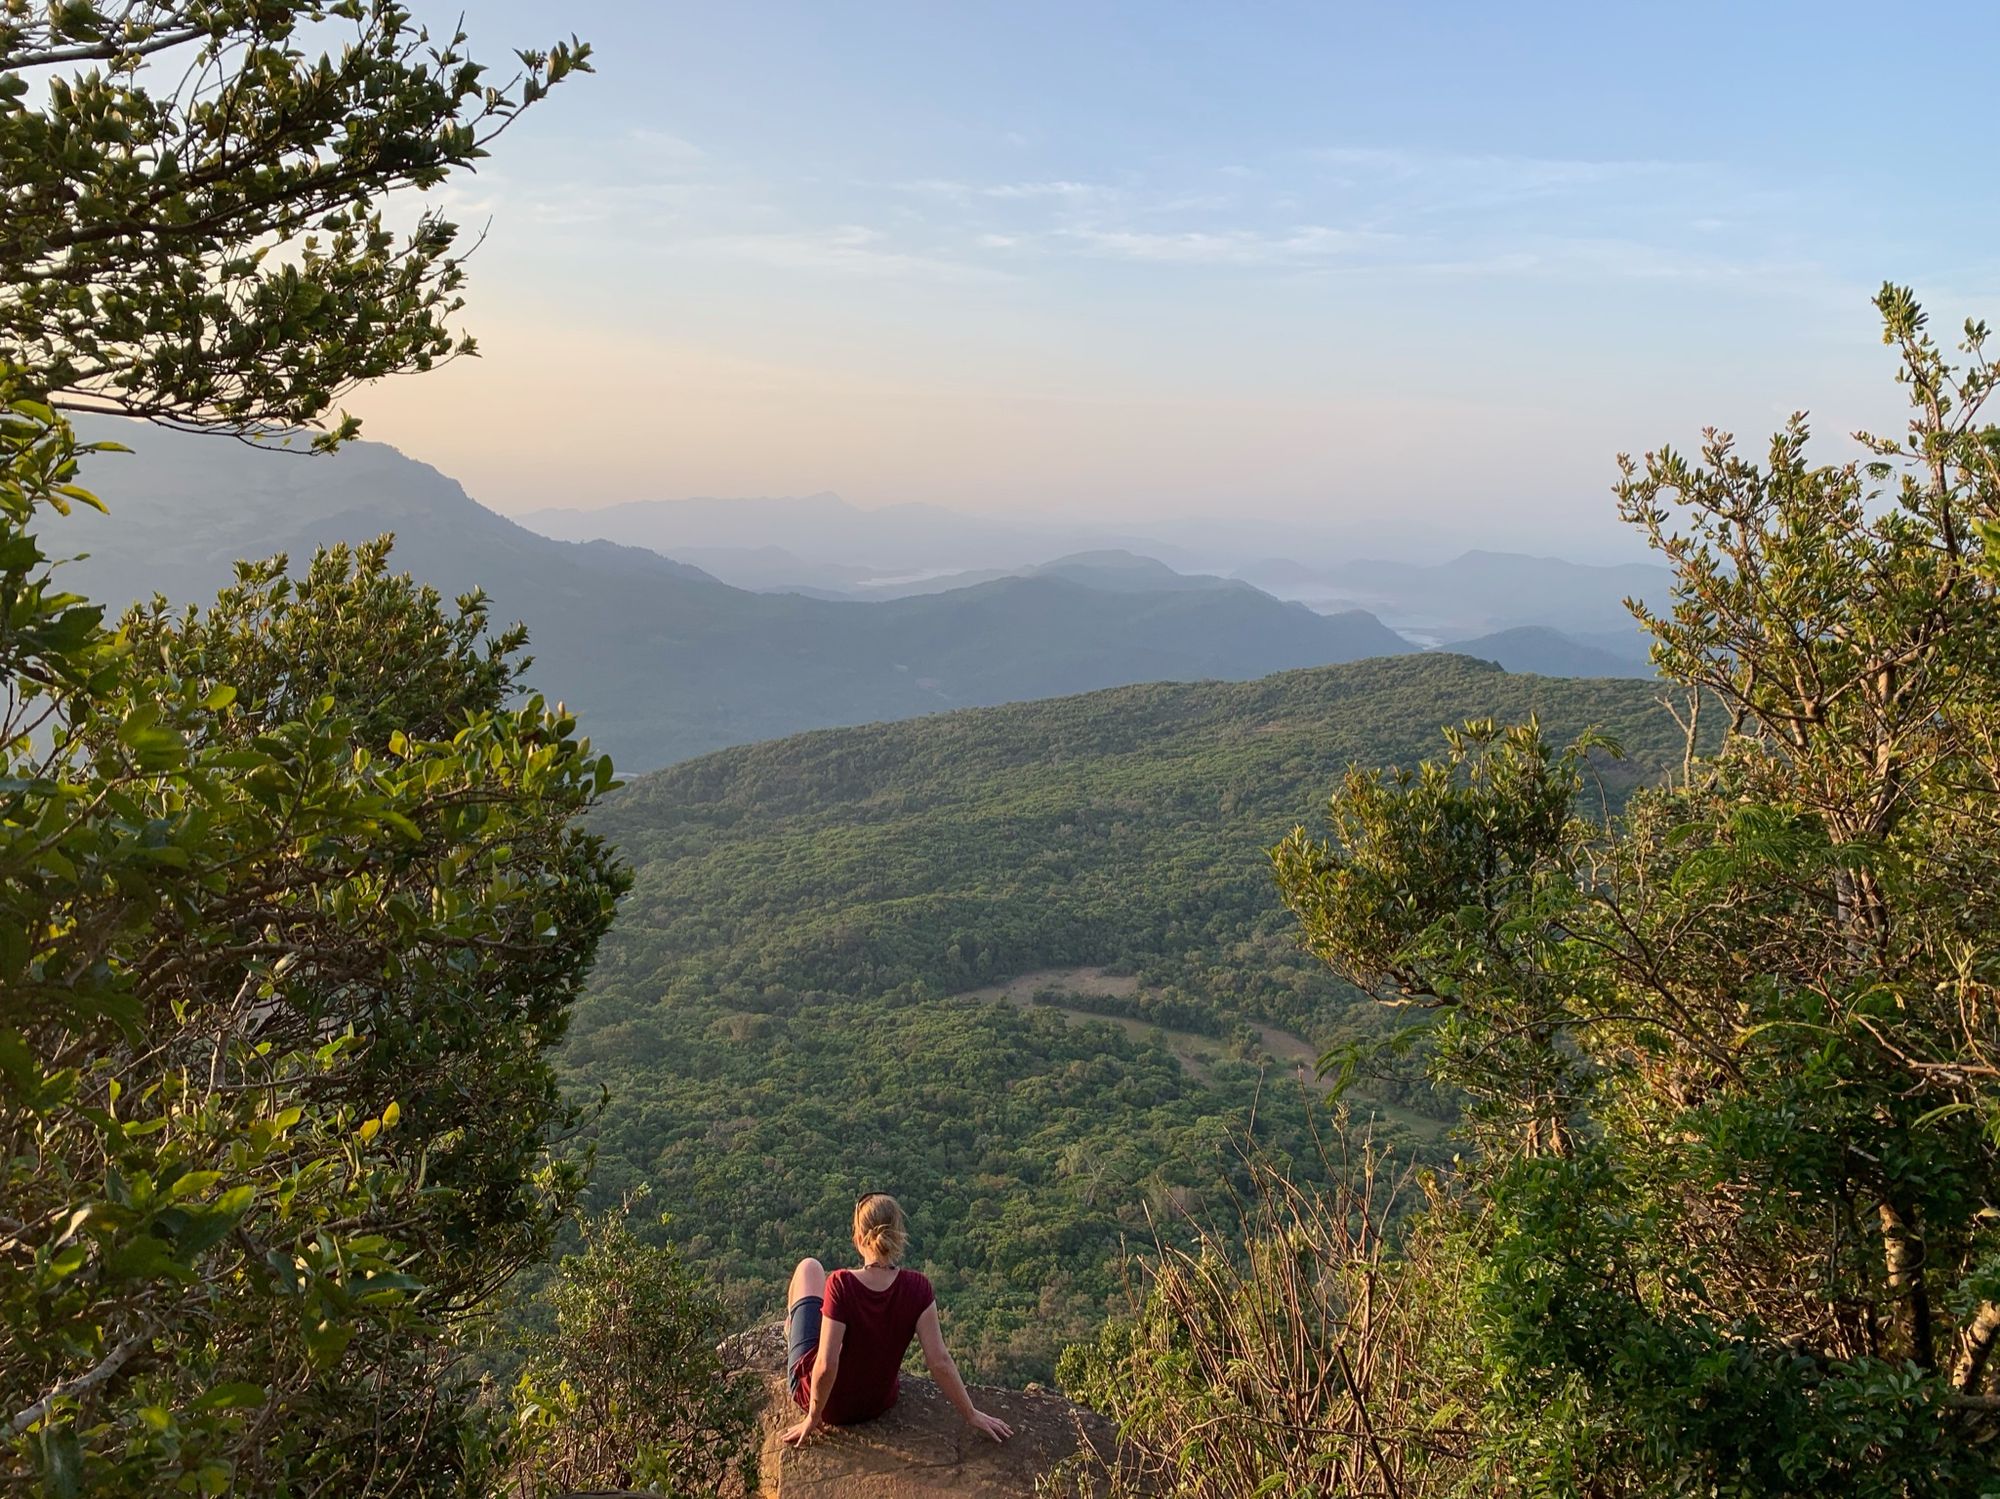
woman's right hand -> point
(991, 1426)
(804, 1432)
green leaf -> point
(17, 1064)
(145, 1258)
(237, 1396)
(1943, 1111)
(61, 1463)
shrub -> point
(629, 1390)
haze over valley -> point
(676, 633)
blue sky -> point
(1421, 269)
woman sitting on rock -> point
(846, 1333)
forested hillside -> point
(784, 1012)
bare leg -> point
(809, 1279)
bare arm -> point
(937, 1358)
(826, 1369)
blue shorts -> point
(802, 1343)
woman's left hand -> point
(804, 1432)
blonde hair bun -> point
(880, 1231)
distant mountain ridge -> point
(828, 535)
(1550, 653)
(664, 660)
(1482, 592)
(775, 570)
(826, 547)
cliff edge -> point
(919, 1449)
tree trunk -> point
(1976, 1348)
(1903, 1256)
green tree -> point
(285, 946)
(629, 1391)
(292, 900)
(193, 230)
(1733, 1055)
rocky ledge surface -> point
(919, 1449)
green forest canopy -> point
(773, 1014)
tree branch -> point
(103, 51)
(115, 1360)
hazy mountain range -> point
(824, 541)
(1479, 593)
(824, 546)
(668, 660)
(665, 660)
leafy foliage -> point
(788, 1009)
(1461, 873)
(279, 982)
(628, 1390)
(287, 924)
(1734, 1054)
(193, 230)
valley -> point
(827, 975)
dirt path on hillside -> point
(1196, 1053)
(1087, 983)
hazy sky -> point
(1429, 265)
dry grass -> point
(1309, 1347)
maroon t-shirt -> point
(879, 1326)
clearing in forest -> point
(1289, 1052)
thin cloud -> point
(844, 249)
(1579, 259)
(1227, 247)
(1519, 170)
(1353, 209)
(665, 148)
(965, 192)
(1067, 191)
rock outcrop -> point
(919, 1449)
